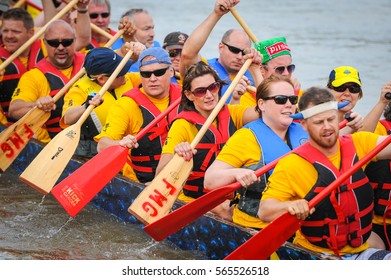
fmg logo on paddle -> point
(17, 140)
(158, 198)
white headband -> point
(317, 109)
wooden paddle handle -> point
(101, 31)
(38, 34)
(244, 25)
(251, 88)
(19, 4)
(82, 71)
(106, 86)
(220, 104)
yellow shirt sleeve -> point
(380, 129)
(248, 100)
(237, 112)
(241, 149)
(3, 119)
(125, 117)
(32, 85)
(180, 131)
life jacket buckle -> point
(353, 235)
(350, 219)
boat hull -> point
(209, 235)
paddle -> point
(75, 191)
(101, 31)
(243, 24)
(19, 51)
(15, 137)
(44, 171)
(157, 199)
(19, 4)
(269, 239)
(175, 220)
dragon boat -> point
(209, 235)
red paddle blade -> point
(75, 191)
(187, 213)
(274, 235)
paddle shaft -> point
(269, 239)
(105, 87)
(82, 71)
(91, 177)
(101, 31)
(44, 171)
(38, 34)
(220, 104)
(19, 4)
(169, 182)
(243, 24)
(15, 137)
(184, 215)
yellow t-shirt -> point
(293, 177)
(183, 131)
(248, 100)
(33, 85)
(78, 93)
(242, 150)
(125, 117)
(3, 119)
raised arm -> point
(373, 117)
(83, 25)
(198, 38)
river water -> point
(321, 34)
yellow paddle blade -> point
(44, 171)
(157, 199)
(15, 138)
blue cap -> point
(160, 55)
(104, 61)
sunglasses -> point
(282, 99)
(96, 15)
(281, 69)
(174, 53)
(212, 88)
(352, 88)
(233, 49)
(157, 73)
(55, 42)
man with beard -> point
(38, 86)
(341, 224)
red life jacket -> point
(379, 174)
(95, 44)
(145, 158)
(208, 148)
(14, 71)
(58, 80)
(344, 217)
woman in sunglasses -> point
(200, 94)
(344, 82)
(255, 145)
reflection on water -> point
(33, 226)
